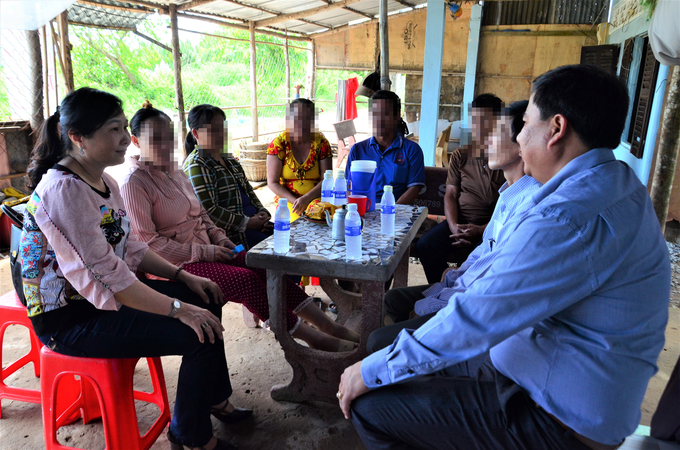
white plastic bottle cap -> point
(283, 201)
(387, 188)
(328, 174)
(352, 207)
(341, 172)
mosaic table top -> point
(312, 242)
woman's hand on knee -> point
(202, 321)
(203, 287)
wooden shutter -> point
(626, 60)
(642, 108)
(606, 57)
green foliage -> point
(4, 99)
(214, 70)
(649, 6)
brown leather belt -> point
(594, 445)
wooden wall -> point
(510, 56)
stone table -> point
(316, 373)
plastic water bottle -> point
(340, 189)
(282, 227)
(327, 187)
(388, 210)
(353, 232)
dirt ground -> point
(256, 363)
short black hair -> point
(488, 101)
(395, 101)
(594, 102)
(516, 111)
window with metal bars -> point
(606, 57)
(642, 103)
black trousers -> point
(469, 406)
(398, 305)
(203, 379)
(434, 250)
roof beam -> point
(151, 5)
(302, 14)
(193, 4)
(355, 11)
(245, 27)
(198, 16)
(272, 12)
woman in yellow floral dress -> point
(298, 158)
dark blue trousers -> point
(469, 406)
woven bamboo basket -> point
(255, 169)
(254, 150)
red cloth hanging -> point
(350, 99)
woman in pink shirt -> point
(79, 258)
(166, 214)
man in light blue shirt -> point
(569, 318)
(513, 202)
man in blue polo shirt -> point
(400, 161)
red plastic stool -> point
(110, 381)
(12, 312)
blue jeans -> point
(128, 333)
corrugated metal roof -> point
(245, 10)
(545, 12)
(89, 13)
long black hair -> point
(83, 112)
(199, 116)
(395, 101)
(145, 113)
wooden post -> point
(253, 82)
(669, 144)
(36, 94)
(65, 50)
(312, 86)
(384, 48)
(177, 65)
(54, 49)
(285, 52)
(46, 71)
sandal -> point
(230, 417)
(176, 445)
(346, 346)
(332, 307)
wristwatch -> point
(176, 304)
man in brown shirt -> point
(471, 195)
